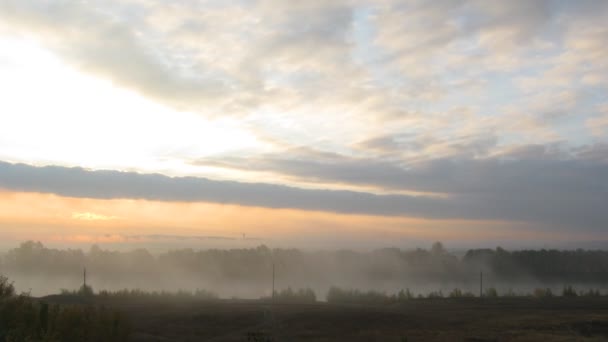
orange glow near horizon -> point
(48, 217)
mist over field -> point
(247, 273)
(275, 170)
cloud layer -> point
(574, 197)
(464, 109)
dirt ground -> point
(504, 319)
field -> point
(466, 319)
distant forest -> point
(255, 264)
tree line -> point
(253, 264)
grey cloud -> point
(518, 185)
(597, 152)
(78, 182)
(568, 204)
(386, 143)
(506, 175)
(397, 144)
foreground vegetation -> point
(23, 318)
(334, 295)
(85, 315)
(339, 295)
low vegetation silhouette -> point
(23, 318)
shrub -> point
(7, 289)
(25, 319)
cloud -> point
(345, 70)
(493, 105)
(528, 171)
(554, 193)
(105, 43)
(598, 125)
(78, 182)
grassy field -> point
(472, 319)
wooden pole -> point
(85, 277)
(273, 282)
(480, 284)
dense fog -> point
(247, 273)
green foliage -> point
(25, 319)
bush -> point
(7, 289)
(25, 319)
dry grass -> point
(466, 319)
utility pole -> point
(480, 284)
(273, 282)
(84, 276)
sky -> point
(312, 123)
